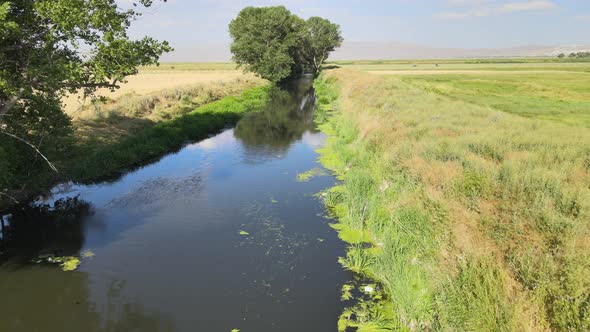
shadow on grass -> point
(97, 161)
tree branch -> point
(34, 148)
(9, 197)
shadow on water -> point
(33, 230)
(216, 236)
(65, 304)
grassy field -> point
(555, 96)
(465, 197)
(475, 66)
(164, 77)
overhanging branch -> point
(33, 147)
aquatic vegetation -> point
(87, 254)
(347, 292)
(307, 175)
(67, 263)
(244, 233)
(70, 263)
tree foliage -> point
(320, 38)
(265, 41)
(277, 45)
(49, 48)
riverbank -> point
(218, 236)
(134, 130)
(467, 218)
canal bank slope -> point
(135, 130)
(466, 218)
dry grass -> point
(156, 94)
(167, 76)
(484, 225)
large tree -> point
(320, 38)
(277, 45)
(266, 41)
(49, 48)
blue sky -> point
(437, 23)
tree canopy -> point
(276, 44)
(49, 48)
(320, 38)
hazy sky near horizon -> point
(436, 23)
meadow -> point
(465, 197)
(474, 66)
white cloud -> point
(462, 15)
(583, 17)
(528, 6)
(481, 9)
(465, 3)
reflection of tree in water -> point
(43, 297)
(285, 118)
(49, 300)
(57, 229)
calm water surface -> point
(168, 253)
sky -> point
(202, 24)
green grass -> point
(473, 218)
(100, 161)
(499, 64)
(563, 97)
(134, 130)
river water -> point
(217, 236)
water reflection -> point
(216, 236)
(64, 304)
(57, 229)
(284, 120)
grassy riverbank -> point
(113, 136)
(195, 123)
(469, 218)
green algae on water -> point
(307, 175)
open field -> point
(550, 91)
(555, 96)
(166, 76)
(465, 66)
(465, 197)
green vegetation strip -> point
(466, 218)
(159, 139)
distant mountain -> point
(380, 51)
(393, 50)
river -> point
(219, 235)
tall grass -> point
(477, 220)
